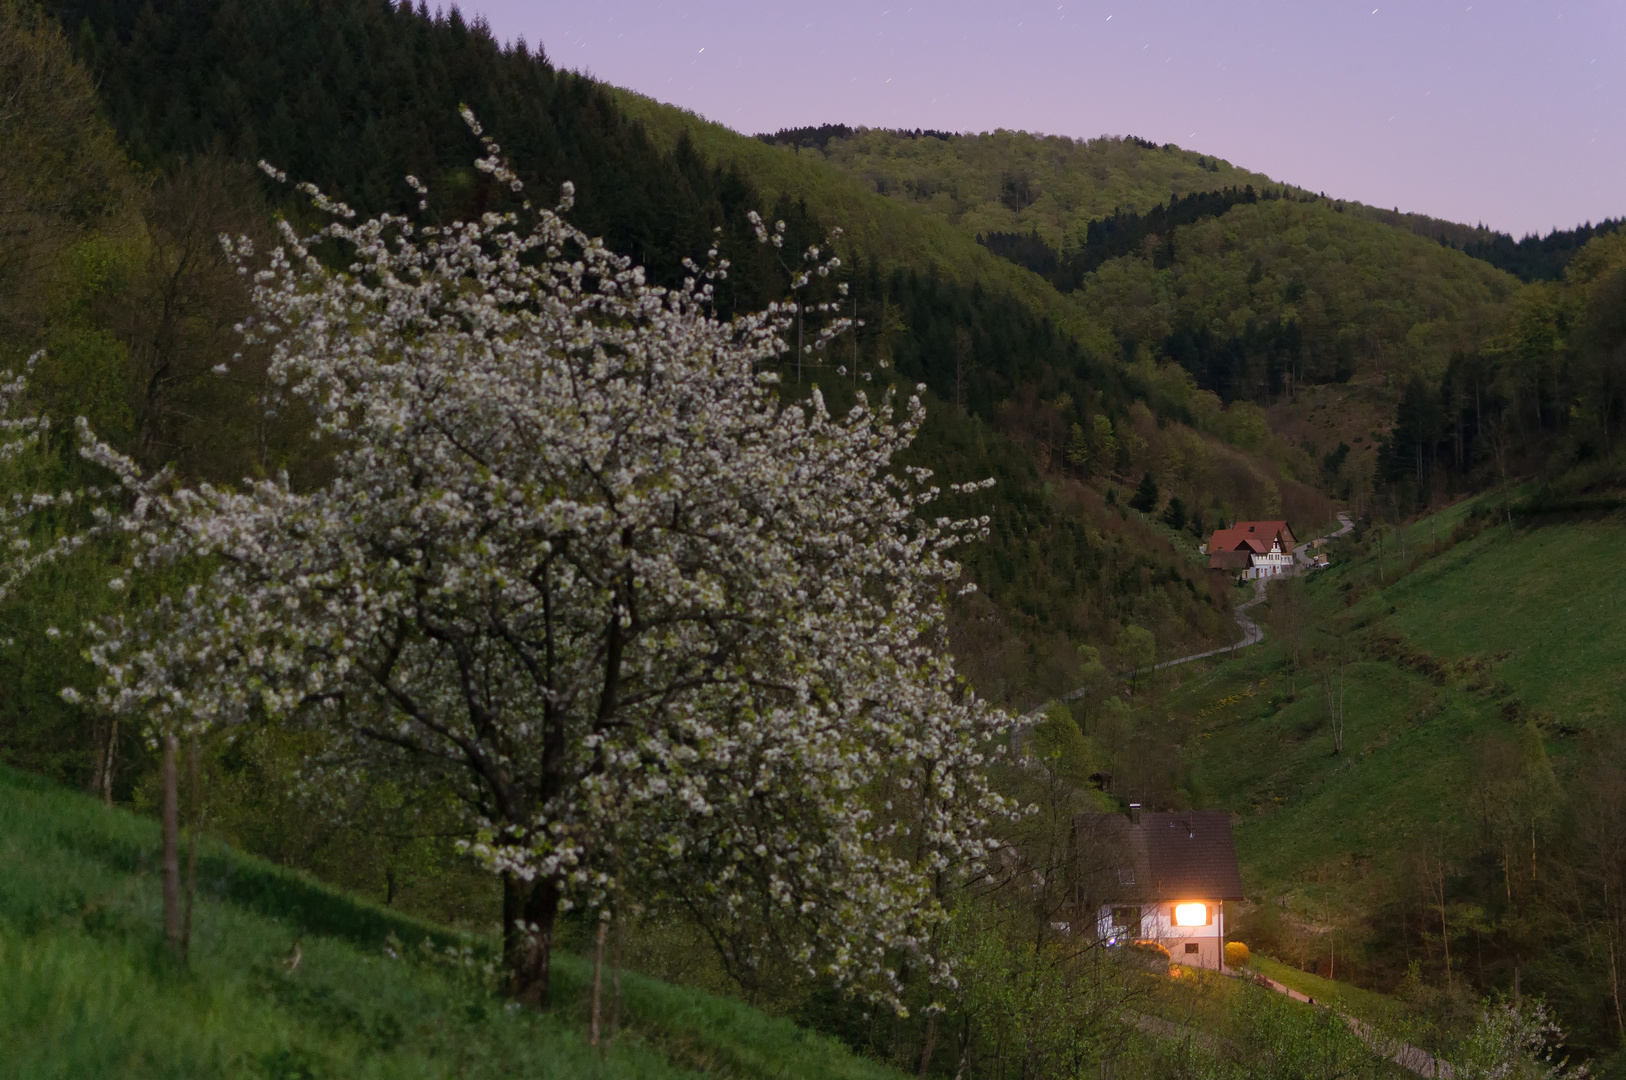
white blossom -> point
(578, 559)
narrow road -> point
(1251, 632)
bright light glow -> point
(1190, 914)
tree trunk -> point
(172, 844)
(191, 845)
(104, 778)
(615, 976)
(529, 909)
(1614, 986)
(598, 983)
(931, 1044)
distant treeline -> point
(1545, 398)
(1120, 233)
(817, 138)
(355, 95)
(1538, 258)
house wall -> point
(1157, 924)
(1273, 563)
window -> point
(1126, 875)
(1191, 946)
(1191, 914)
(1126, 918)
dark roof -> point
(1180, 856)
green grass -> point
(90, 991)
(1357, 1002)
(1530, 625)
(1553, 599)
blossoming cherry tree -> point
(664, 632)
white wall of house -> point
(1195, 946)
(1272, 563)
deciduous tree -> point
(581, 561)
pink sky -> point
(1513, 114)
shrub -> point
(1236, 954)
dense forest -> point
(1538, 258)
(1544, 396)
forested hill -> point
(1315, 309)
(1025, 386)
(357, 95)
(1013, 181)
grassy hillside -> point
(90, 991)
(1484, 738)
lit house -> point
(1253, 549)
(1161, 877)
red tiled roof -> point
(1256, 536)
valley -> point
(542, 667)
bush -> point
(1236, 954)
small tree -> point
(1514, 1041)
(1105, 441)
(661, 630)
(1146, 495)
(1078, 448)
(1136, 649)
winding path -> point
(1252, 634)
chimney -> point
(1134, 813)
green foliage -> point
(1016, 182)
(61, 171)
(1122, 233)
(1279, 291)
(1482, 755)
(1543, 395)
(1071, 754)
(1536, 258)
(91, 992)
(1223, 1029)
(1136, 648)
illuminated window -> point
(1191, 914)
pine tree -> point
(1146, 496)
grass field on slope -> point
(89, 990)
(1553, 600)
(1528, 625)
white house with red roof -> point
(1254, 549)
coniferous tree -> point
(1146, 495)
